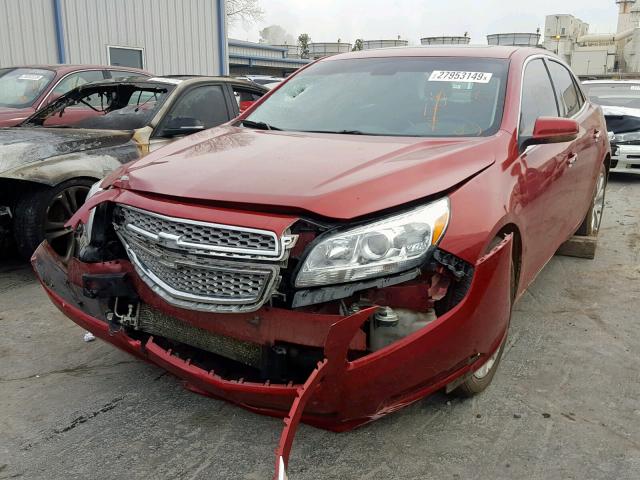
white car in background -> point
(620, 102)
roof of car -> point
(634, 82)
(66, 68)
(182, 80)
(478, 51)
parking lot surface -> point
(565, 403)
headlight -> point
(388, 246)
(626, 137)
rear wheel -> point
(42, 212)
(591, 223)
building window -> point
(562, 30)
(125, 57)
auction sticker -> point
(458, 76)
(30, 76)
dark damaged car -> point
(50, 162)
(353, 242)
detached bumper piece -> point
(342, 392)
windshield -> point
(110, 107)
(399, 96)
(614, 94)
(20, 87)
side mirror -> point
(552, 130)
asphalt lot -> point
(565, 403)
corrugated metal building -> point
(161, 36)
(249, 58)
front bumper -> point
(340, 394)
(626, 159)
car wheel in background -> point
(42, 212)
(591, 223)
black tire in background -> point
(41, 213)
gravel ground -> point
(565, 403)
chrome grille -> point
(190, 279)
(198, 277)
(222, 239)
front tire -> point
(479, 380)
(42, 212)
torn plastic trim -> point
(303, 298)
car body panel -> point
(375, 385)
(364, 180)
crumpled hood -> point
(337, 176)
(21, 146)
(10, 117)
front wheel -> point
(42, 212)
(591, 223)
(479, 380)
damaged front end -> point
(330, 324)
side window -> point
(538, 99)
(566, 90)
(201, 107)
(245, 97)
(75, 80)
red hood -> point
(10, 117)
(337, 176)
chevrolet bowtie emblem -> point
(168, 239)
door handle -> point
(596, 135)
(572, 159)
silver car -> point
(620, 101)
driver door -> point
(198, 108)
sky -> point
(328, 20)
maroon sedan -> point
(23, 90)
(353, 242)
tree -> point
(247, 11)
(358, 45)
(276, 35)
(303, 42)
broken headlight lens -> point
(392, 245)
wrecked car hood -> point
(337, 176)
(22, 145)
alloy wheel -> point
(598, 202)
(60, 210)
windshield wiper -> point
(258, 125)
(339, 132)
